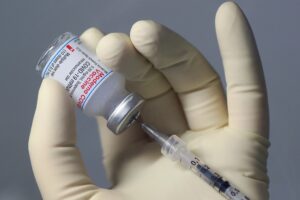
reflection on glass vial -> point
(94, 87)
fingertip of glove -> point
(51, 93)
(226, 13)
(143, 26)
(91, 32)
(46, 85)
(112, 47)
(145, 32)
(90, 37)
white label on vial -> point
(77, 69)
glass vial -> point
(95, 88)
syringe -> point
(175, 149)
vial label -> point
(77, 69)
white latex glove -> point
(184, 96)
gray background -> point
(28, 26)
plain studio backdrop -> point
(28, 27)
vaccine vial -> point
(95, 88)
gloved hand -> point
(184, 96)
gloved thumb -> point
(56, 161)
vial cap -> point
(125, 113)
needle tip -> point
(161, 138)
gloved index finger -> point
(91, 37)
(116, 51)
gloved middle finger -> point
(189, 73)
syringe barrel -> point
(175, 149)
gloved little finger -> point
(246, 89)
